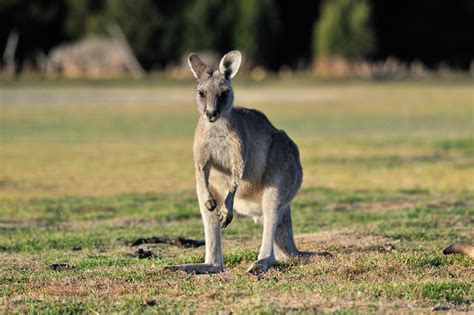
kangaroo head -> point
(214, 89)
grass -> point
(87, 169)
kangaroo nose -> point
(211, 114)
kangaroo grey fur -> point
(242, 163)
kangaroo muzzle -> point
(212, 115)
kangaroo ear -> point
(198, 67)
(230, 64)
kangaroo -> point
(242, 163)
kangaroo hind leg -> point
(270, 212)
(285, 246)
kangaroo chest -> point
(221, 152)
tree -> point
(210, 25)
(221, 25)
(84, 18)
(38, 23)
(257, 30)
(344, 30)
(154, 29)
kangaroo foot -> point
(196, 268)
(260, 266)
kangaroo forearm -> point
(237, 174)
(202, 183)
(202, 180)
(202, 177)
(236, 177)
(233, 187)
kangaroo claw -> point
(225, 217)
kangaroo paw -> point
(211, 204)
(225, 217)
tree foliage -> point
(344, 30)
(270, 32)
(39, 24)
(257, 29)
(210, 25)
(84, 18)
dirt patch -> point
(143, 254)
(61, 266)
(180, 241)
(385, 248)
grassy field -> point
(86, 169)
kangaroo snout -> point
(212, 115)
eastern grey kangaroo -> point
(243, 163)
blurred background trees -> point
(344, 30)
(272, 33)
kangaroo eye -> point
(201, 94)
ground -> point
(87, 168)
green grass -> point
(86, 169)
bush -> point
(344, 30)
(153, 28)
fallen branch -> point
(180, 241)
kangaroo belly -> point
(248, 197)
(220, 181)
(248, 207)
